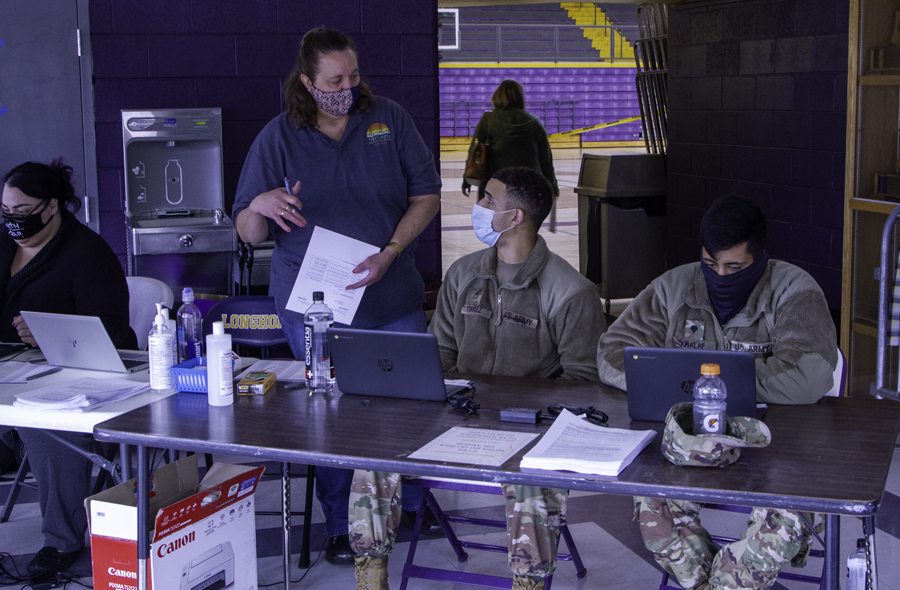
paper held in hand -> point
(573, 444)
(328, 267)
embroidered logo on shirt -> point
(694, 330)
(378, 133)
(476, 310)
(754, 347)
(520, 319)
(684, 343)
(476, 296)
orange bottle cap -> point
(709, 369)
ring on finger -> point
(293, 210)
(281, 214)
(286, 208)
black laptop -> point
(387, 364)
(659, 378)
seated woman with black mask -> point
(50, 262)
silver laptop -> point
(80, 342)
(387, 364)
(659, 378)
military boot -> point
(371, 573)
(526, 583)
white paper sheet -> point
(284, 370)
(80, 395)
(18, 371)
(328, 267)
(475, 446)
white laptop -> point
(80, 342)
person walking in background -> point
(515, 138)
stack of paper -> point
(572, 444)
(80, 395)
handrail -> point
(878, 389)
(499, 39)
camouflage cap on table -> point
(682, 447)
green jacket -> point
(545, 325)
(516, 138)
(785, 323)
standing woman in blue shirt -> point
(357, 166)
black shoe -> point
(49, 561)
(338, 550)
(430, 525)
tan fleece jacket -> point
(785, 323)
(546, 324)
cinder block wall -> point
(235, 54)
(757, 107)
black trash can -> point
(622, 221)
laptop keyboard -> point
(132, 363)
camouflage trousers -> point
(672, 532)
(533, 518)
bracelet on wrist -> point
(396, 246)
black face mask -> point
(729, 293)
(22, 227)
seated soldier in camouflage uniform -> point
(512, 309)
(735, 298)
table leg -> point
(286, 520)
(125, 460)
(869, 531)
(832, 551)
(143, 509)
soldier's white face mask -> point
(483, 224)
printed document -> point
(18, 371)
(284, 370)
(474, 446)
(328, 267)
(573, 444)
(80, 395)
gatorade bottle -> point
(709, 401)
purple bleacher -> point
(600, 95)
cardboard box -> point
(204, 533)
(256, 383)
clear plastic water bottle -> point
(709, 401)
(190, 337)
(319, 369)
(857, 566)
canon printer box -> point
(204, 534)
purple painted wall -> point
(757, 107)
(235, 54)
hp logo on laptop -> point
(385, 365)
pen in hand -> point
(44, 374)
(287, 185)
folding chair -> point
(459, 546)
(252, 321)
(253, 324)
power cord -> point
(591, 414)
(528, 415)
(318, 556)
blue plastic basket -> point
(189, 379)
